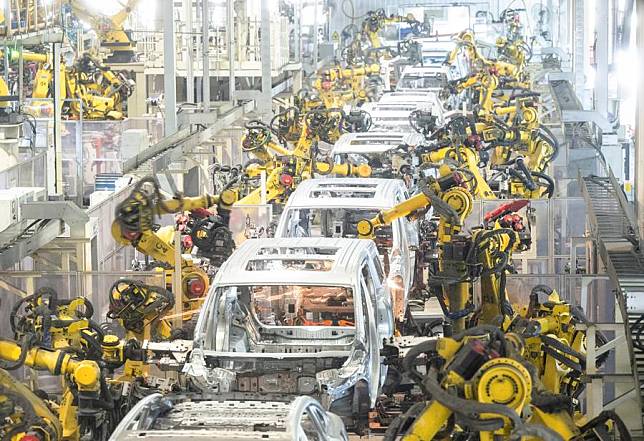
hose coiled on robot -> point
(440, 206)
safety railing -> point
(31, 172)
(246, 47)
(28, 16)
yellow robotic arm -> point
(452, 202)
(142, 236)
(134, 225)
(85, 375)
(338, 73)
(110, 29)
(135, 216)
(468, 172)
(285, 178)
(376, 20)
(257, 141)
(478, 383)
(504, 232)
(24, 413)
(344, 169)
(554, 342)
(277, 183)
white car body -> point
(384, 151)
(301, 316)
(435, 50)
(424, 78)
(348, 200)
(418, 97)
(395, 115)
(158, 417)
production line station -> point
(322, 220)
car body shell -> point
(230, 354)
(420, 97)
(374, 142)
(391, 115)
(423, 78)
(386, 151)
(435, 50)
(159, 417)
(359, 194)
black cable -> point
(470, 408)
(440, 206)
(546, 134)
(550, 183)
(17, 306)
(408, 362)
(25, 346)
(393, 430)
(253, 161)
(29, 419)
(602, 418)
(136, 212)
(493, 332)
(353, 10)
(562, 353)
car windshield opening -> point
(422, 81)
(334, 222)
(302, 305)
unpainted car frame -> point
(234, 353)
(182, 416)
(362, 196)
(385, 151)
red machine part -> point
(510, 207)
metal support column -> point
(230, 32)
(8, 18)
(594, 391)
(6, 64)
(58, 107)
(298, 35)
(601, 58)
(177, 286)
(21, 74)
(578, 36)
(169, 68)
(205, 83)
(190, 76)
(639, 132)
(264, 106)
(315, 36)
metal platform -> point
(617, 240)
(50, 35)
(29, 241)
(44, 221)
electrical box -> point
(634, 302)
